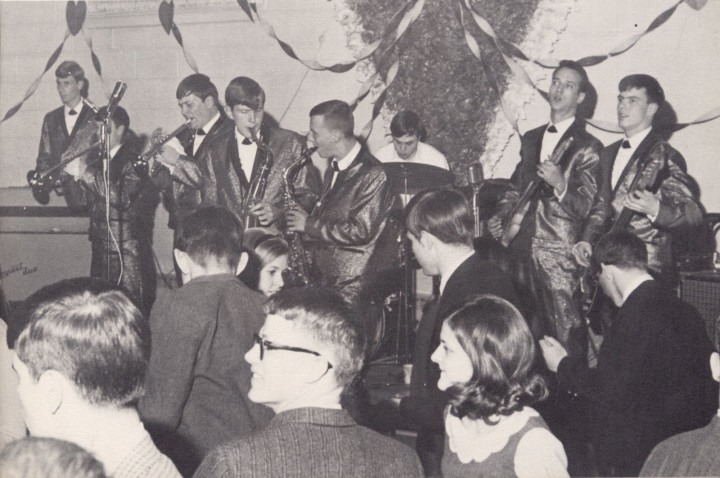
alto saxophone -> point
(298, 272)
(256, 190)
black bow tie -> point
(335, 166)
(246, 141)
(626, 144)
(72, 112)
(552, 129)
(200, 132)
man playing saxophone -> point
(233, 162)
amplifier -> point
(702, 290)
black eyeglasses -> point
(265, 345)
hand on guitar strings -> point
(495, 227)
(643, 202)
(552, 174)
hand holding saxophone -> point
(296, 219)
(265, 212)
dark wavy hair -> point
(496, 338)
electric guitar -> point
(512, 227)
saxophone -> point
(256, 189)
(298, 272)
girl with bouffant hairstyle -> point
(486, 357)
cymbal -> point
(411, 178)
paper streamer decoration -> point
(166, 13)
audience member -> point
(12, 425)
(268, 259)
(694, 453)
(486, 356)
(652, 378)
(440, 229)
(309, 349)
(81, 360)
(197, 381)
(36, 457)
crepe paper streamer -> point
(489, 73)
(166, 13)
(611, 127)
(34, 85)
(390, 77)
(394, 30)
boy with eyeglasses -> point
(197, 382)
(309, 349)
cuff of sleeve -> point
(560, 196)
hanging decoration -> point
(75, 13)
(166, 13)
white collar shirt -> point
(624, 154)
(345, 162)
(70, 120)
(551, 140)
(199, 138)
(444, 279)
(247, 153)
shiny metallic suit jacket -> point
(215, 176)
(679, 207)
(344, 228)
(57, 144)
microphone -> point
(475, 171)
(117, 95)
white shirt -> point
(70, 120)
(624, 154)
(634, 285)
(345, 162)
(197, 141)
(551, 140)
(425, 154)
(247, 154)
(452, 269)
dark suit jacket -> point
(347, 224)
(474, 276)
(317, 442)
(198, 380)
(57, 144)
(181, 190)
(678, 205)
(549, 219)
(652, 379)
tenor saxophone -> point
(256, 190)
(298, 271)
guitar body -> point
(512, 226)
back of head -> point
(245, 91)
(498, 341)
(211, 232)
(621, 249)
(91, 333)
(338, 116)
(35, 457)
(407, 123)
(330, 320)
(444, 213)
(651, 86)
(70, 68)
(198, 85)
(119, 117)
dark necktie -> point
(335, 166)
(552, 129)
(246, 141)
(626, 144)
(72, 112)
(201, 132)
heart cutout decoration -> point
(166, 13)
(75, 15)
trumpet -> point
(140, 164)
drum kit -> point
(392, 312)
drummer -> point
(408, 136)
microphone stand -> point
(105, 139)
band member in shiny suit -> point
(198, 101)
(232, 162)
(558, 211)
(667, 201)
(67, 130)
(132, 212)
(352, 212)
